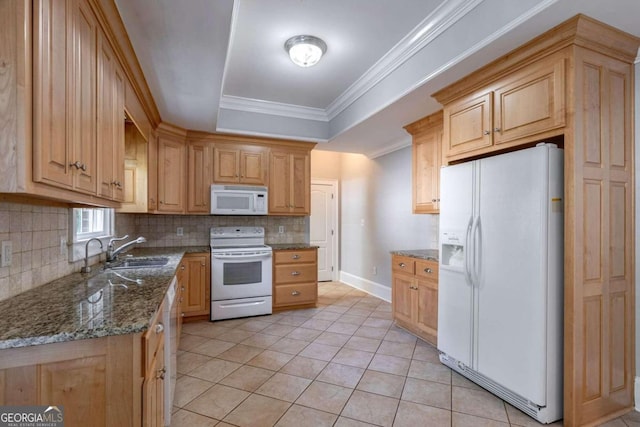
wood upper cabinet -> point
(199, 177)
(521, 107)
(111, 123)
(196, 279)
(414, 297)
(65, 42)
(426, 161)
(240, 164)
(289, 182)
(171, 172)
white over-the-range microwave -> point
(238, 200)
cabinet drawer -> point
(404, 264)
(294, 257)
(296, 273)
(427, 269)
(299, 293)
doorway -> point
(323, 228)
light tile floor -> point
(342, 364)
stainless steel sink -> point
(138, 263)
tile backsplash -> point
(161, 230)
(38, 255)
(38, 233)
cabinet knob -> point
(295, 293)
(497, 129)
(428, 270)
(159, 328)
(296, 256)
(487, 132)
(203, 265)
(295, 273)
(434, 200)
(182, 267)
(182, 288)
(181, 314)
(161, 202)
(402, 265)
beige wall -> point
(325, 164)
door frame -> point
(335, 274)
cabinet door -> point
(153, 391)
(467, 125)
(426, 172)
(426, 309)
(226, 165)
(300, 185)
(253, 165)
(153, 168)
(195, 300)
(171, 175)
(402, 289)
(279, 183)
(110, 122)
(530, 102)
(52, 28)
(199, 179)
(78, 384)
(83, 90)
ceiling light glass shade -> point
(305, 51)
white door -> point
(323, 227)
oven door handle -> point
(243, 257)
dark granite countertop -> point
(427, 254)
(291, 246)
(92, 305)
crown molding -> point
(269, 135)
(259, 106)
(443, 17)
(396, 145)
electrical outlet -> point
(63, 245)
(281, 229)
(180, 231)
(7, 252)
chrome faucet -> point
(86, 268)
(112, 252)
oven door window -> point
(242, 273)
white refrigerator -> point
(500, 293)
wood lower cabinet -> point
(295, 278)
(289, 182)
(426, 161)
(415, 296)
(154, 373)
(195, 270)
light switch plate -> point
(180, 231)
(7, 252)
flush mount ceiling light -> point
(305, 51)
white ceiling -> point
(220, 65)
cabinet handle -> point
(159, 328)
(161, 373)
(402, 265)
(428, 270)
(76, 165)
(496, 129)
(180, 300)
(296, 256)
(182, 289)
(295, 273)
(295, 293)
(182, 267)
(433, 200)
(161, 202)
(487, 132)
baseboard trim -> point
(365, 285)
(636, 393)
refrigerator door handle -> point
(468, 253)
(476, 236)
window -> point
(91, 222)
